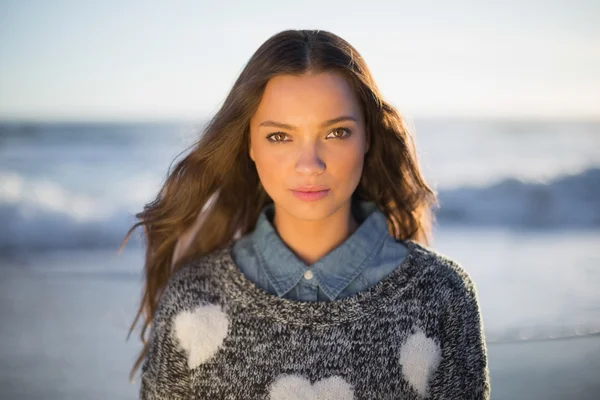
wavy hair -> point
(214, 195)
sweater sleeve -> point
(463, 370)
(165, 373)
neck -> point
(311, 240)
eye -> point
(276, 134)
(340, 129)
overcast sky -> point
(116, 59)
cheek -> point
(346, 167)
(272, 168)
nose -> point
(309, 162)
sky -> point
(173, 60)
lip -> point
(310, 188)
(312, 195)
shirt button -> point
(308, 274)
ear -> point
(367, 141)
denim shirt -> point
(362, 260)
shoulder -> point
(445, 274)
(194, 283)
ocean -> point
(519, 209)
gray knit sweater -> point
(415, 334)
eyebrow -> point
(325, 124)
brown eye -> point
(338, 135)
(279, 136)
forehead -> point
(309, 97)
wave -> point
(538, 333)
(48, 217)
(39, 229)
(571, 201)
(40, 215)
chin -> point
(311, 210)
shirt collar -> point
(334, 271)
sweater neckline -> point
(250, 298)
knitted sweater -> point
(415, 334)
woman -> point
(306, 274)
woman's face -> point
(309, 130)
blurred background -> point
(98, 98)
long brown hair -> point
(215, 192)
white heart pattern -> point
(201, 332)
(296, 387)
(419, 356)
